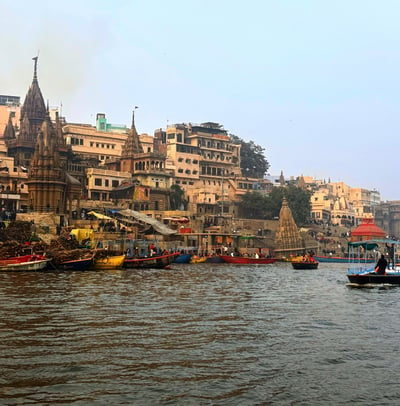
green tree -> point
(252, 206)
(257, 205)
(177, 198)
(252, 159)
(298, 202)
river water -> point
(204, 334)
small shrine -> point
(367, 230)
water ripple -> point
(197, 335)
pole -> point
(222, 191)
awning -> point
(372, 244)
(99, 215)
(177, 219)
(157, 225)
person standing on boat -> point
(390, 250)
(381, 265)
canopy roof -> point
(372, 244)
(368, 229)
(99, 215)
(157, 225)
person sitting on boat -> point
(381, 265)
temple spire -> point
(35, 67)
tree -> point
(177, 199)
(252, 160)
(298, 201)
(257, 205)
(252, 205)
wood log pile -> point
(18, 239)
(65, 248)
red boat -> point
(29, 262)
(247, 260)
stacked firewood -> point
(60, 256)
(18, 239)
(19, 231)
(66, 248)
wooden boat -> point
(182, 258)
(391, 278)
(305, 264)
(109, 262)
(157, 261)
(362, 273)
(214, 259)
(24, 263)
(197, 260)
(342, 260)
(247, 260)
(76, 264)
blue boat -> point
(75, 265)
(342, 260)
(183, 259)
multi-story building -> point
(10, 107)
(100, 182)
(205, 163)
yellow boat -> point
(109, 262)
(197, 260)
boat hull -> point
(392, 279)
(76, 265)
(38, 265)
(182, 259)
(158, 262)
(343, 260)
(305, 265)
(112, 262)
(247, 260)
(216, 259)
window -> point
(81, 142)
(106, 183)
(114, 183)
(98, 181)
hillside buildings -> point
(51, 165)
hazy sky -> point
(315, 83)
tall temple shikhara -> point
(287, 238)
(40, 147)
(33, 112)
